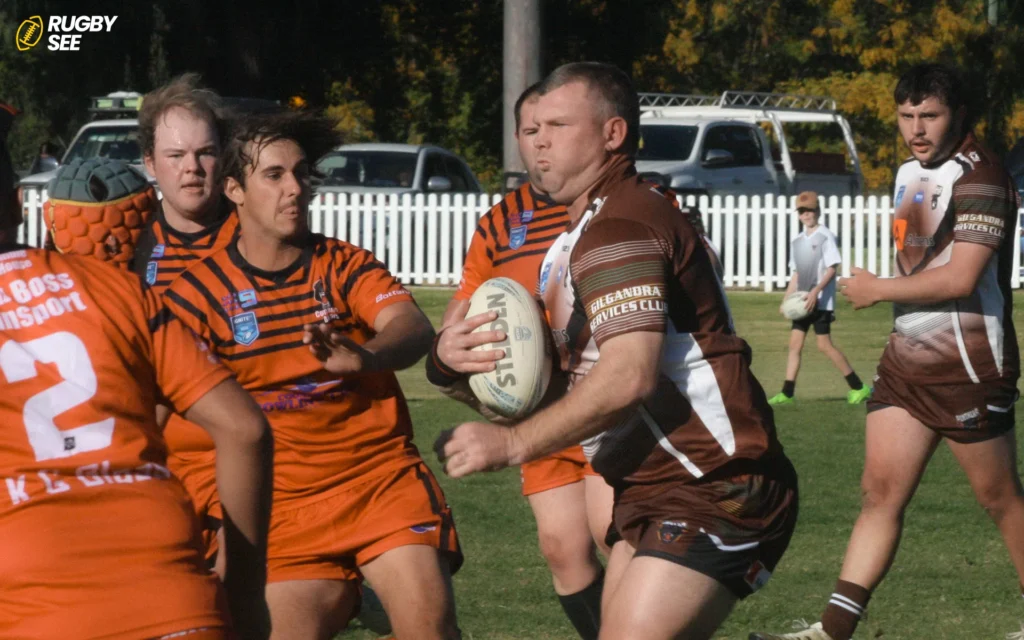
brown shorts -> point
(329, 537)
(565, 467)
(733, 525)
(961, 412)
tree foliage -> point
(413, 71)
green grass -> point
(952, 578)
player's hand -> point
(811, 302)
(859, 288)
(473, 447)
(337, 353)
(455, 345)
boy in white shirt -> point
(814, 256)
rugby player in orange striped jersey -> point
(314, 328)
(181, 134)
(571, 504)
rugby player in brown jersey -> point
(662, 394)
(949, 370)
(570, 502)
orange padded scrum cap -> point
(98, 207)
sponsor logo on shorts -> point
(422, 528)
(969, 419)
(670, 532)
(757, 576)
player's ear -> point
(147, 161)
(234, 190)
(615, 131)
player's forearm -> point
(593, 405)
(401, 343)
(460, 391)
(932, 286)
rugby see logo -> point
(65, 31)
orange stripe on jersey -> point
(511, 240)
(89, 513)
(330, 430)
(167, 253)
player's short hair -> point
(315, 135)
(185, 92)
(612, 87)
(932, 80)
(530, 92)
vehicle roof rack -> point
(740, 100)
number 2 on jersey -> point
(68, 353)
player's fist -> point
(473, 447)
(337, 353)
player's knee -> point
(997, 498)
(879, 494)
(825, 345)
(564, 554)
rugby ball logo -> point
(30, 32)
(521, 377)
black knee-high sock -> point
(583, 608)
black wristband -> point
(438, 373)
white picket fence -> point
(423, 238)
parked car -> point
(716, 145)
(396, 168)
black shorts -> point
(732, 527)
(821, 319)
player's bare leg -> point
(414, 584)
(660, 600)
(897, 450)
(618, 561)
(826, 346)
(796, 346)
(565, 541)
(600, 501)
(310, 609)
(991, 468)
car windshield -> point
(369, 168)
(116, 143)
(666, 142)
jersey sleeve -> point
(479, 261)
(619, 270)
(984, 207)
(185, 368)
(367, 287)
(830, 255)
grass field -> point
(952, 578)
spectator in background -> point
(45, 161)
(10, 209)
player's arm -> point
(202, 390)
(982, 224)
(625, 375)
(244, 458)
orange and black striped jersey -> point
(164, 253)
(511, 240)
(89, 513)
(328, 429)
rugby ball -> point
(520, 379)
(793, 306)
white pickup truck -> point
(736, 144)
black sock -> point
(854, 381)
(583, 608)
(789, 388)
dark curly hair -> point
(316, 136)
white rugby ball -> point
(793, 306)
(521, 377)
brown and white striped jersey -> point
(967, 198)
(632, 263)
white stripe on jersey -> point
(683, 362)
(665, 444)
(955, 317)
(991, 297)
